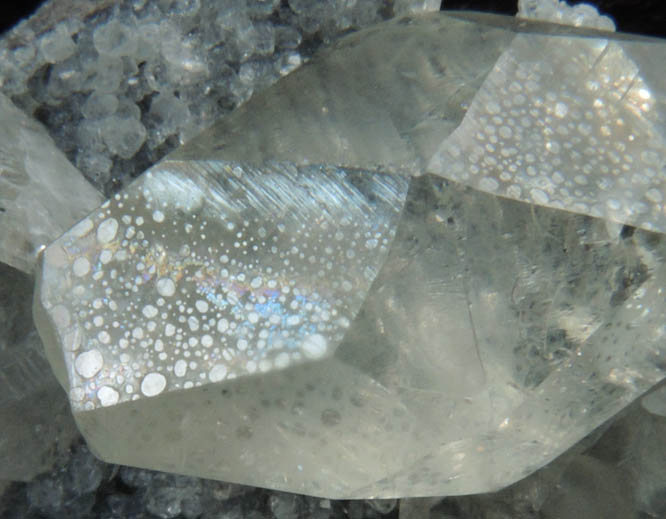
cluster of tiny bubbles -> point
(201, 272)
(567, 123)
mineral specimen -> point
(298, 299)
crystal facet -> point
(398, 272)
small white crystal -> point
(99, 105)
(41, 193)
(558, 11)
(57, 44)
(123, 136)
(116, 38)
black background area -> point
(637, 16)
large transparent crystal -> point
(402, 271)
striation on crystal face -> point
(298, 300)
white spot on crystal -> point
(207, 341)
(107, 396)
(105, 256)
(493, 108)
(256, 282)
(81, 266)
(314, 346)
(193, 323)
(654, 195)
(253, 317)
(293, 320)
(61, 316)
(107, 230)
(137, 333)
(561, 110)
(89, 363)
(222, 325)
(169, 330)
(153, 384)
(218, 373)
(104, 337)
(77, 394)
(166, 287)
(282, 360)
(201, 306)
(149, 311)
(158, 216)
(82, 228)
(539, 196)
(488, 184)
(180, 368)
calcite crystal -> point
(41, 193)
(37, 426)
(401, 271)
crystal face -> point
(337, 294)
(209, 271)
(41, 193)
(568, 123)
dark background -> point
(637, 16)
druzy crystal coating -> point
(337, 294)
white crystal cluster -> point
(130, 80)
(559, 11)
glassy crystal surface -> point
(246, 270)
(361, 284)
(571, 123)
(41, 193)
(37, 426)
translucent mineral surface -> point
(37, 426)
(41, 193)
(393, 274)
